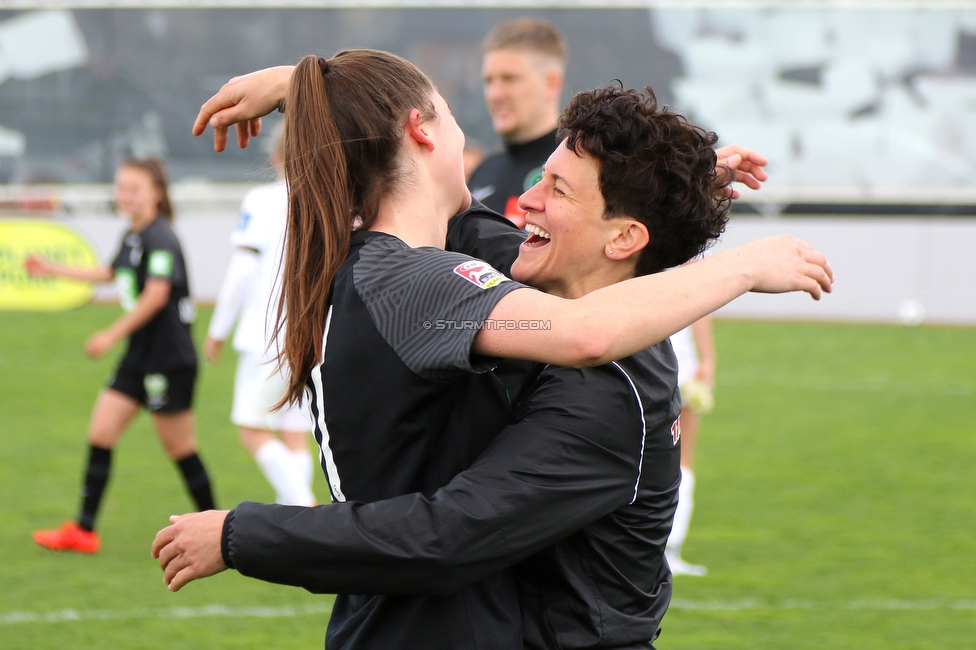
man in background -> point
(523, 67)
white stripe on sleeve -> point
(322, 429)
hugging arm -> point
(542, 479)
(612, 322)
(624, 318)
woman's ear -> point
(629, 238)
(415, 129)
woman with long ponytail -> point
(335, 179)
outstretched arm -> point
(626, 317)
(41, 267)
(608, 324)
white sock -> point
(281, 470)
(682, 514)
(303, 461)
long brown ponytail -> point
(343, 127)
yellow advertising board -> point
(20, 238)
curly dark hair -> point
(655, 167)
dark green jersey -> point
(164, 343)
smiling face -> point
(568, 249)
(521, 93)
(136, 195)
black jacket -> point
(578, 493)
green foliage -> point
(834, 500)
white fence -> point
(887, 269)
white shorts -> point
(257, 388)
(683, 343)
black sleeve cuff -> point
(226, 545)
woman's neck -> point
(140, 222)
(581, 279)
(416, 219)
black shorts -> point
(160, 392)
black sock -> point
(197, 481)
(96, 478)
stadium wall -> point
(896, 269)
(886, 269)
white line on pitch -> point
(878, 605)
(748, 604)
(75, 615)
(851, 386)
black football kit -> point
(159, 365)
(396, 363)
(577, 492)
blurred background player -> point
(523, 67)
(159, 369)
(694, 348)
(251, 290)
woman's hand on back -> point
(746, 165)
(242, 102)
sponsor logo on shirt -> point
(480, 274)
(134, 242)
(125, 283)
(675, 432)
(244, 221)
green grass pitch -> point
(835, 499)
